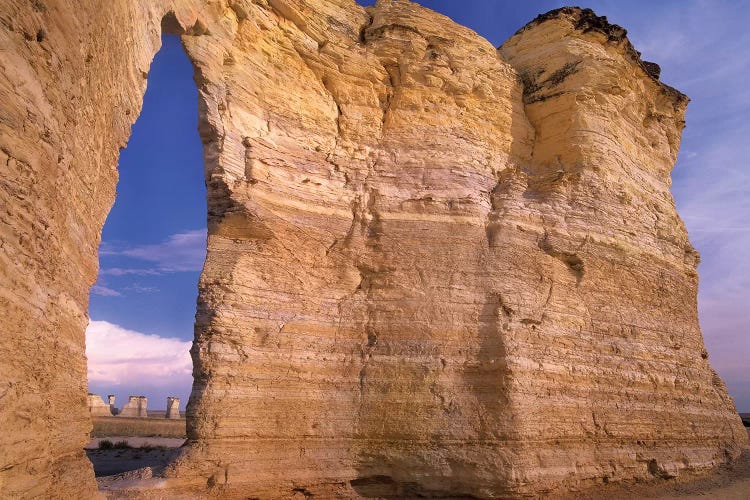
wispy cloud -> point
(118, 356)
(137, 288)
(181, 252)
(120, 271)
(104, 291)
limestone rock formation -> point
(135, 407)
(434, 267)
(173, 408)
(97, 406)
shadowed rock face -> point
(434, 267)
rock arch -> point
(432, 266)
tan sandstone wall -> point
(433, 267)
(617, 382)
(72, 77)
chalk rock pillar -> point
(97, 406)
(135, 407)
(111, 402)
(173, 408)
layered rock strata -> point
(616, 379)
(434, 267)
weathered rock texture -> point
(135, 407)
(97, 406)
(173, 408)
(433, 267)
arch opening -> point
(142, 307)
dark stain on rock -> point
(586, 21)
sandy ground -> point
(116, 461)
(730, 482)
(137, 442)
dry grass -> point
(143, 427)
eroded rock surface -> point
(97, 406)
(434, 267)
(173, 408)
(135, 407)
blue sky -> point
(153, 246)
(154, 239)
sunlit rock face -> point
(97, 406)
(434, 267)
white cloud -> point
(137, 288)
(120, 271)
(118, 356)
(104, 291)
(184, 251)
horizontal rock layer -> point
(434, 267)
